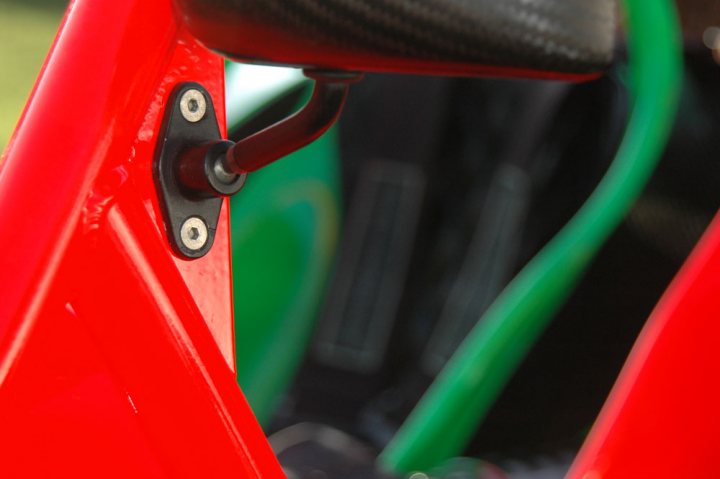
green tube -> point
(449, 413)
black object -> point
(180, 138)
(290, 134)
(535, 38)
(200, 170)
(316, 451)
(379, 234)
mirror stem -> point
(278, 140)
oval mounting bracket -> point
(190, 218)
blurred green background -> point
(27, 29)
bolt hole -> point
(194, 233)
(193, 105)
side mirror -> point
(540, 38)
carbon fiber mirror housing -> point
(570, 39)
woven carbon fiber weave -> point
(568, 35)
(574, 36)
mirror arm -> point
(278, 140)
(218, 168)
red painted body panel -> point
(115, 356)
(661, 419)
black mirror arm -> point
(278, 140)
(219, 168)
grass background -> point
(27, 29)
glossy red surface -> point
(662, 417)
(115, 356)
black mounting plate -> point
(176, 202)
